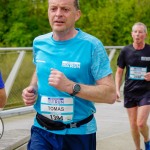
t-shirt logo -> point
(145, 58)
(69, 64)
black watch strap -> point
(76, 89)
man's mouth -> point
(58, 21)
(137, 39)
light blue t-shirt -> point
(82, 59)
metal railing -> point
(17, 69)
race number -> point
(137, 73)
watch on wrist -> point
(76, 89)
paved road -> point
(113, 127)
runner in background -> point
(135, 58)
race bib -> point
(137, 73)
(57, 108)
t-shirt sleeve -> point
(34, 53)
(121, 60)
(100, 62)
(1, 81)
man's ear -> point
(78, 14)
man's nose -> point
(58, 12)
(137, 33)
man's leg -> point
(143, 113)
(80, 142)
(132, 114)
(43, 140)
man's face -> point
(62, 15)
(138, 34)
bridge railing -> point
(17, 68)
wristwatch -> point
(76, 89)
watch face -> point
(77, 88)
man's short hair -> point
(140, 24)
(76, 4)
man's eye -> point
(141, 32)
(66, 9)
(138, 31)
(52, 9)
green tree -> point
(25, 20)
(109, 20)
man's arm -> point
(33, 82)
(29, 93)
(3, 98)
(103, 92)
(118, 80)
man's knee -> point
(141, 124)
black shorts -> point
(130, 102)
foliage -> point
(109, 20)
(21, 21)
(112, 20)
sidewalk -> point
(113, 128)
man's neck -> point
(138, 46)
(62, 36)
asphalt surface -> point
(112, 121)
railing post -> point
(112, 53)
(12, 76)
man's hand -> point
(58, 80)
(118, 97)
(147, 76)
(29, 95)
